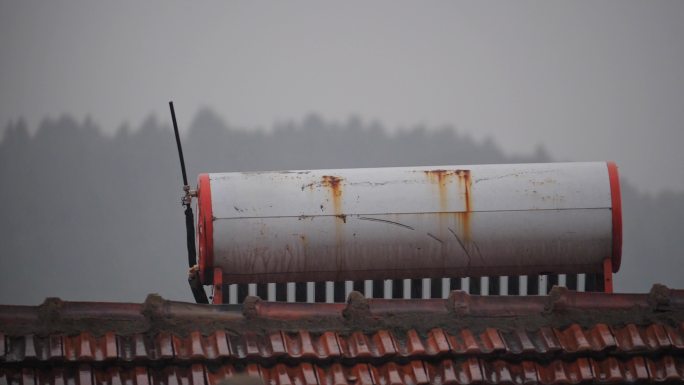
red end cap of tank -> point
(616, 204)
(205, 228)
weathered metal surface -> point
(407, 222)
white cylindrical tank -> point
(409, 222)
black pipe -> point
(190, 236)
(194, 281)
(178, 144)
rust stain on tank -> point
(465, 183)
(442, 179)
(463, 221)
(334, 184)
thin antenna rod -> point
(178, 144)
(193, 274)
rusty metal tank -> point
(409, 222)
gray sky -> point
(589, 80)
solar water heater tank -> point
(409, 222)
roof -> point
(566, 337)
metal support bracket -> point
(218, 286)
(608, 275)
(189, 193)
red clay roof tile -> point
(563, 338)
(449, 371)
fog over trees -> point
(87, 216)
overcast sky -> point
(588, 80)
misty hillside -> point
(97, 217)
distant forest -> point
(89, 216)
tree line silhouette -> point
(89, 216)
